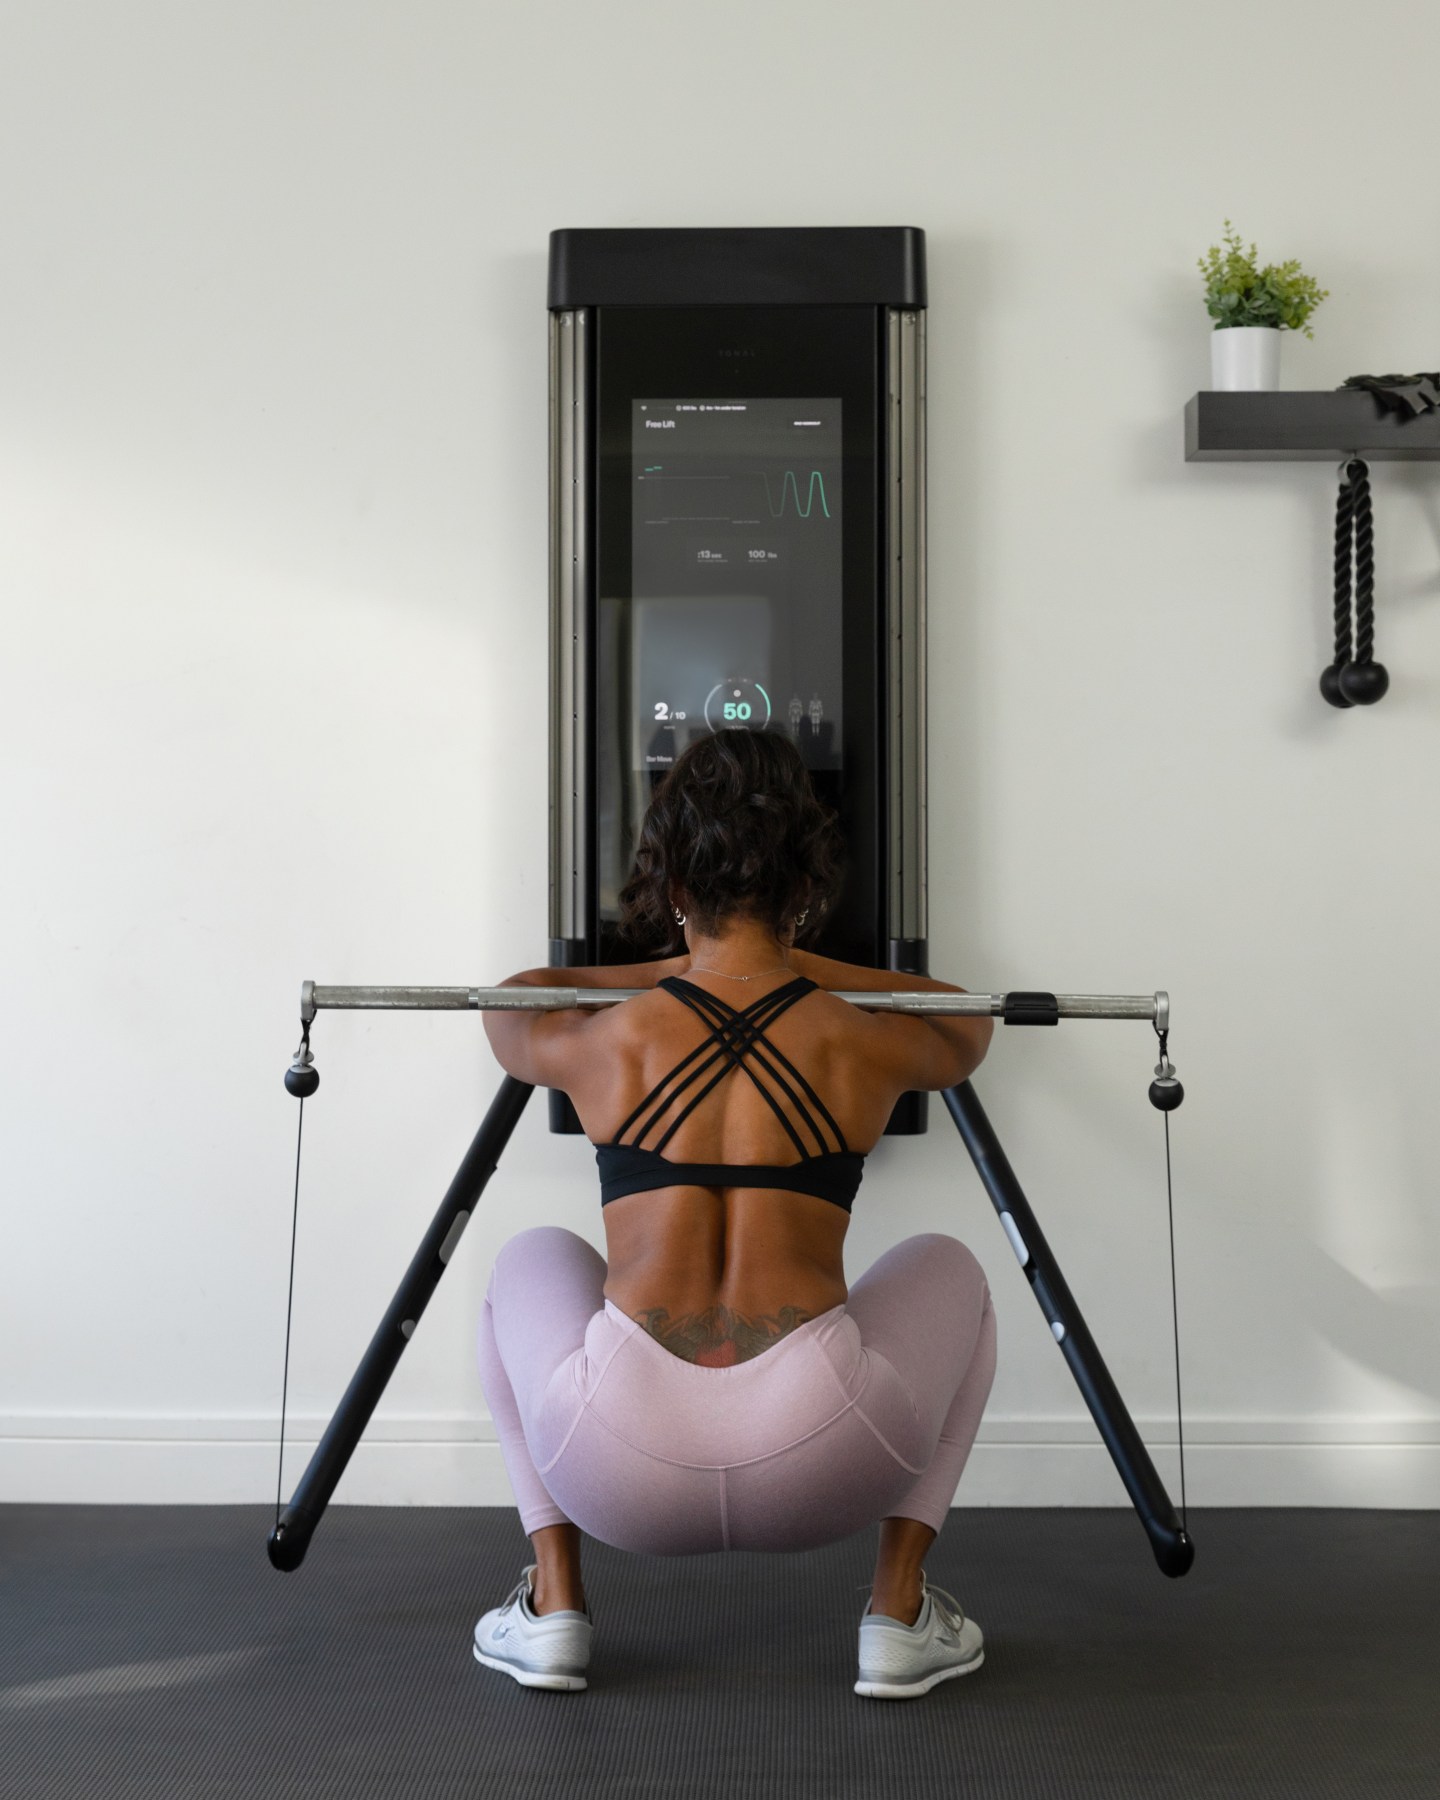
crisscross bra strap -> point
(736, 1030)
(737, 1038)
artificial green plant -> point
(1238, 293)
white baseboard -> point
(419, 1461)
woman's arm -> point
(928, 1053)
(541, 1047)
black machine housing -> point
(737, 512)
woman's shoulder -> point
(843, 977)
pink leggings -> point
(864, 1412)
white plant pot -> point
(1245, 358)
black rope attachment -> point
(1354, 678)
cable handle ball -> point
(302, 1077)
(1166, 1093)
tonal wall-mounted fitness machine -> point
(737, 518)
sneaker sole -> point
(911, 1690)
(565, 1684)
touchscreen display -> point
(737, 554)
(736, 574)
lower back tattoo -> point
(718, 1338)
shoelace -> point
(522, 1586)
(952, 1616)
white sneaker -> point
(543, 1651)
(900, 1662)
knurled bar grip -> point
(1013, 1008)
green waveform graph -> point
(789, 490)
(791, 486)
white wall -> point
(272, 556)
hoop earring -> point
(679, 916)
(801, 918)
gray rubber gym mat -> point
(153, 1651)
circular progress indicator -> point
(737, 702)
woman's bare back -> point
(718, 1275)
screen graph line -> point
(791, 486)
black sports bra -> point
(736, 1040)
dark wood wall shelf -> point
(1305, 426)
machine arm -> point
(290, 1539)
(1170, 1541)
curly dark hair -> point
(735, 827)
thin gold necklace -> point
(706, 969)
